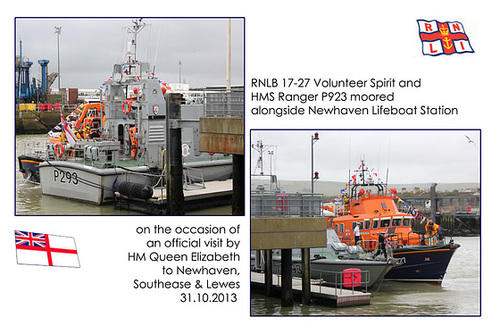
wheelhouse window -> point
(353, 225)
(341, 228)
(336, 228)
(406, 222)
(396, 221)
(385, 222)
(367, 224)
(375, 223)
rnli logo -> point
(155, 92)
(443, 38)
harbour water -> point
(458, 295)
(31, 201)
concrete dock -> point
(334, 297)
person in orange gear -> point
(133, 141)
(432, 231)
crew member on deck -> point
(86, 131)
(357, 234)
(95, 134)
(133, 141)
(381, 245)
(432, 231)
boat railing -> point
(35, 148)
(270, 204)
(193, 178)
(220, 104)
(341, 281)
(421, 238)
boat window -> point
(385, 222)
(406, 222)
(336, 228)
(341, 228)
(396, 221)
(375, 223)
(367, 224)
(353, 225)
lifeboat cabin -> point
(372, 206)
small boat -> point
(329, 264)
(370, 206)
(28, 166)
(129, 143)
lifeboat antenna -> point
(132, 45)
(349, 164)
(388, 160)
(272, 151)
(363, 169)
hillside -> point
(333, 188)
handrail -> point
(188, 177)
(338, 276)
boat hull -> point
(28, 166)
(422, 263)
(329, 270)
(216, 170)
(76, 181)
(374, 270)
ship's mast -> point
(132, 45)
(363, 171)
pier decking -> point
(324, 295)
(214, 193)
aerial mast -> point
(132, 45)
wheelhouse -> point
(371, 206)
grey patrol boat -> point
(133, 141)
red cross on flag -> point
(443, 38)
(46, 249)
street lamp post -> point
(58, 32)
(314, 175)
(180, 65)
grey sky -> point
(90, 47)
(412, 156)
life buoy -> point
(59, 150)
(129, 104)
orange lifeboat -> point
(372, 206)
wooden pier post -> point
(306, 276)
(238, 202)
(268, 271)
(286, 278)
(175, 183)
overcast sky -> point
(90, 47)
(412, 156)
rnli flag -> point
(46, 250)
(443, 38)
